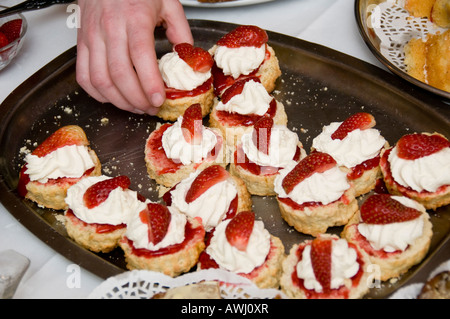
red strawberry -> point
(192, 124)
(413, 146)
(239, 229)
(237, 88)
(316, 162)
(197, 58)
(207, 178)
(157, 217)
(321, 261)
(3, 40)
(99, 192)
(244, 36)
(261, 134)
(383, 209)
(360, 121)
(12, 29)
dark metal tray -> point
(318, 86)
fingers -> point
(175, 22)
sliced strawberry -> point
(157, 217)
(321, 261)
(383, 209)
(12, 29)
(316, 162)
(99, 192)
(239, 229)
(210, 176)
(3, 40)
(413, 146)
(360, 121)
(192, 125)
(261, 134)
(244, 36)
(237, 88)
(198, 59)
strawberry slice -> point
(360, 121)
(207, 178)
(65, 136)
(382, 209)
(237, 88)
(244, 36)
(12, 29)
(3, 40)
(197, 58)
(99, 192)
(321, 261)
(316, 162)
(413, 146)
(239, 229)
(192, 125)
(157, 217)
(261, 134)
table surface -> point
(326, 22)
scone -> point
(99, 208)
(188, 79)
(199, 290)
(314, 194)
(437, 287)
(173, 151)
(438, 11)
(418, 167)
(394, 231)
(211, 195)
(261, 153)
(242, 245)
(356, 147)
(60, 161)
(327, 267)
(241, 53)
(161, 239)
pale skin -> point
(116, 58)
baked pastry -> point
(394, 231)
(438, 11)
(198, 290)
(212, 195)
(188, 79)
(438, 287)
(161, 239)
(262, 152)
(244, 52)
(418, 167)
(60, 161)
(242, 245)
(326, 267)
(175, 150)
(314, 194)
(98, 210)
(356, 147)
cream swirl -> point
(239, 61)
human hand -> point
(116, 58)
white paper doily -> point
(143, 284)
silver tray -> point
(318, 86)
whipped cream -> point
(137, 231)
(235, 260)
(395, 236)
(211, 206)
(68, 161)
(426, 173)
(254, 99)
(177, 74)
(282, 147)
(239, 61)
(177, 149)
(323, 187)
(344, 266)
(115, 210)
(357, 147)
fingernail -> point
(157, 99)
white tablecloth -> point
(51, 275)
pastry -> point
(188, 79)
(356, 146)
(326, 267)
(438, 287)
(60, 161)
(242, 245)
(314, 194)
(262, 152)
(394, 231)
(438, 11)
(198, 290)
(418, 167)
(175, 150)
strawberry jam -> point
(296, 206)
(174, 94)
(99, 228)
(359, 169)
(236, 119)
